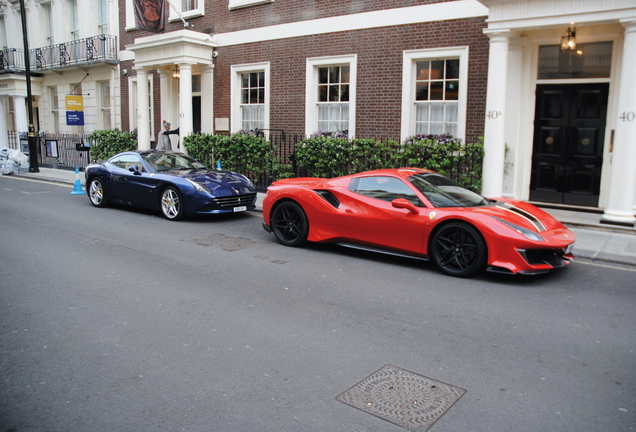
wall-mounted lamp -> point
(175, 72)
(568, 40)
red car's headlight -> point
(521, 230)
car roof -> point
(399, 172)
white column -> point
(4, 139)
(185, 101)
(620, 200)
(207, 99)
(494, 133)
(143, 109)
(165, 89)
(21, 122)
(513, 113)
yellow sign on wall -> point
(74, 103)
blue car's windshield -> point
(443, 192)
(161, 161)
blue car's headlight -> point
(521, 230)
(249, 182)
(199, 187)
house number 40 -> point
(494, 114)
(628, 116)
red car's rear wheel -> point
(459, 250)
(290, 224)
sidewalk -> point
(594, 241)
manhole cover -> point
(404, 398)
(225, 242)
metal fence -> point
(60, 151)
(56, 150)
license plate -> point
(238, 209)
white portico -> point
(560, 123)
(188, 53)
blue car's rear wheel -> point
(290, 224)
(172, 204)
(459, 250)
(96, 193)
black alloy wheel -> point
(172, 204)
(459, 250)
(290, 224)
(96, 193)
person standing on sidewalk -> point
(163, 139)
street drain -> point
(225, 242)
(404, 398)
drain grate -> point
(404, 398)
(225, 242)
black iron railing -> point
(57, 150)
(95, 49)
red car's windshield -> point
(444, 192)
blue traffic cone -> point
(77, 189)
(218, 165)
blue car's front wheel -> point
(96, 193)
(172, 204)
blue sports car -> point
(168, 181)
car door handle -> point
(350, 211)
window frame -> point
(102, 16)
(196, 12)
(238, 4)
(104, 109)
(54, 105)
(130, 16)
(74, 20)
(3, 33)
(311, 89)
(409, 73)
(235, 92)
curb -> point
(604, 257)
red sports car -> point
(418, 213)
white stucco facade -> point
(517, 31)
(188, 52)
(70, 43)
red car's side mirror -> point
(405, 204)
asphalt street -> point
(119, 320)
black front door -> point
(569, 130)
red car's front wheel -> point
(290, 224)
(459, 250)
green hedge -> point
(327, 156)
(335, 155)
(107, 143)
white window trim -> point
(3, 33)
(130, 16)
(235, 92)
(174, 16)
(311, 90)
(132, 103)
(101, 107)
(409, 66)
(237, 4)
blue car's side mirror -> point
(134, 169)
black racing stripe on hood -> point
(533, 219)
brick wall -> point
(218, 19)
(379, 51)
(379, 84)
